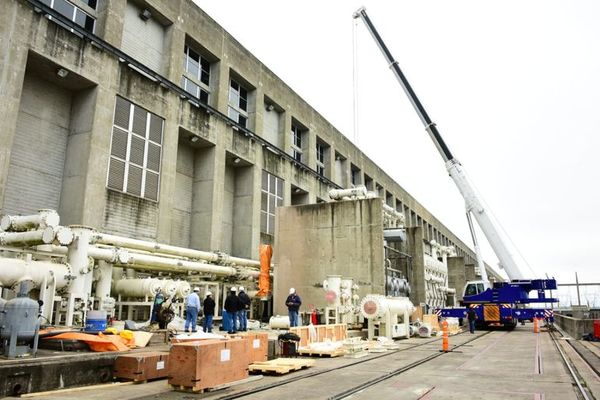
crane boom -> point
(453, 166)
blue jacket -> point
(293, 302)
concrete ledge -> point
(575, 327)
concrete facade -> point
(211, 166)
(339, 238)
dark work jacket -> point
(471, 315)
(209, 306)
(293, 302)
(232, 303)
(244, 301)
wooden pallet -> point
(281, 365)
(321, 353)
(191, 389)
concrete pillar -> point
(244, 208)
(457, 275)
(13, 59)
(414, 238)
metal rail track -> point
(397, 372)
(263, 388)
(579, 385)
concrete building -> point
(147, 119)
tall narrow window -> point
(196, 76)
(271, 197)
(135, 151)
(320, 158)
(238, 103)
(296, 142)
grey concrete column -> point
(456, 275)
(415, 249)
(244, 208)
(13, 59)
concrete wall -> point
(457, 275)
(314, 241)
(575, 327)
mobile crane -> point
(504, 303)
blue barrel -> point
(95, 321)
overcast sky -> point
(514, 87)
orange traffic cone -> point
(536, 326)
(445, 336)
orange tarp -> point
(264, 279)
(99, 342)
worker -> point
(293, 303)
(471, 317)
(232, 308)
(158, 301)
(244, 308)
(192, 305)
(209, 312)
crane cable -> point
(355, 82)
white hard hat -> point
(241, 289)
(234, 289)
(196, 289)
(292, 290)
(209, 293)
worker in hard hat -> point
(232, 306)
(293, 303)
(209, 312)
(244, 308)
(192, 306)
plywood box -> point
(208, 363)
(142, 366)
(322, 333)
(258, 345)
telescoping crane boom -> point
(514, 292)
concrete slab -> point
(493, 365)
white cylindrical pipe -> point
(143, 261)
(168, 287)
(377, 306)
(138, 287)
(77, 257)
(104, 282)
(332, 286)
(279, 322)
(19, 223)
(16, 270)
(155, 247)
(356, 192)
(28, 238)
(183, 289)
(122, 257)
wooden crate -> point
(142, 366)
(258, 345)
(417, 314)
(432, 320)
(196, 366)
(333, 332)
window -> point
(355, 175)
(238, 103)
(271, 197)
(135, 151)
(321, 159)
(296, 142)
(73, 13)
(368, 182)
(196, 76)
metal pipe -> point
(104, 282)
(16, 270)
(155, 247)
(20, 223)
(122, 257)
(29, 238)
